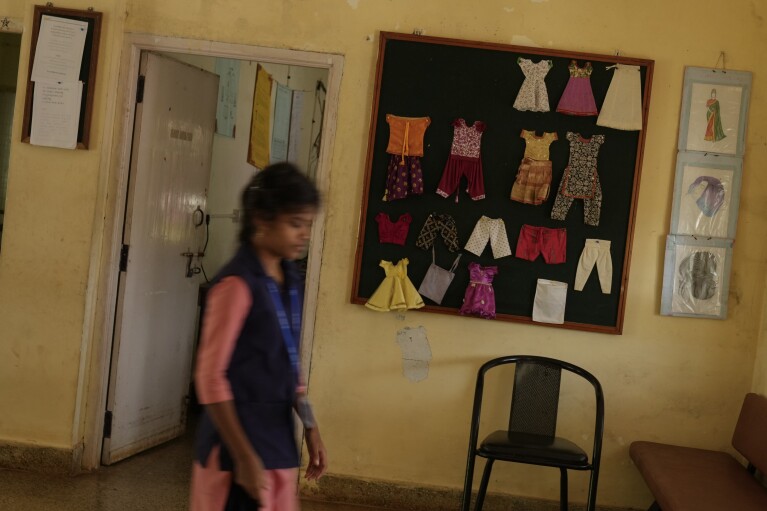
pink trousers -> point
(210, 487)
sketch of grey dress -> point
(698, 276)
(533, 96)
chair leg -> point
(466, 502)
(591, 504)
(483, 485)
(562, 489)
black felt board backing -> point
(449, 79)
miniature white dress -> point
(533, 96)
(622, 108)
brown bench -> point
(687, 479)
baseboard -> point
(407, 497)
(36, 458)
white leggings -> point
(494, 230)
(595, 251)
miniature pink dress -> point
(578, 99)
(479, 299)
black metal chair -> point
(531, 437)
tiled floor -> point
(157, 480)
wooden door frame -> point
(105, 277)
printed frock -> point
(395, 292)
(479, 299)
(533, 96)
(578, 99)
(581, 180)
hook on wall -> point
(723, 59)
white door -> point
(157, 298)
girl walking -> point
(247, 373)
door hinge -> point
(124, 257)
(108, 424)
(140, 89)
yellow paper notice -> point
(258, 149)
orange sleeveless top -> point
(406, 135)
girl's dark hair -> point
(279, 188)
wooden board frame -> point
(87, 71)
(366, 227)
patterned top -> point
(580, 72)
(467, 139)
(537, 148)
(581, 175)
(533, 95)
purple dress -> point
(479, 299)
(578, 98)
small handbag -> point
(437, 280)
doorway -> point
(10, 47)
(293, 70)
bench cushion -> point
(687, 479)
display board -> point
(448, 79)
(87, 74)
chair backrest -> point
(750, 437)
(535, 397)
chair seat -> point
(535, 449)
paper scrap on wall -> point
(228, 86)
(281, 129)
(416, 353)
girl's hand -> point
(318, 456)
(249, 473)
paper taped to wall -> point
(416, 353)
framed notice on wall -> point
(517, 158)
(62, 77)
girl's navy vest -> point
(260, 373)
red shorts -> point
(533, 241)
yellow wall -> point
(760, 365)
(667, 379)
(44, 264)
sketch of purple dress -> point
(578, 99)
(712, 197)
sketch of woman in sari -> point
(714, 131)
